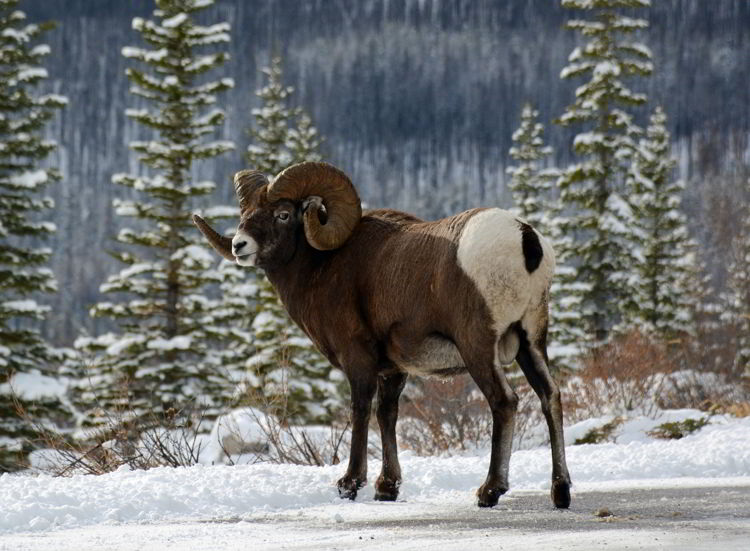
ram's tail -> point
(532, 248)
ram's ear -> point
(221, 243)
(314, 205)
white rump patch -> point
(490, 253)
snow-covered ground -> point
(269, 506)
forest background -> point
(417, 101)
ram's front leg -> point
(363, 384)
(389, 389)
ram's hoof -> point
(348, 487)
(560, 493)
(386, 489)
(488, 497)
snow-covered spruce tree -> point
(161, 358)
(24, 355)
(289, 374)
(667, 278)
(531, 185)
(303, 141)
(738, 306)
(282, 135)
(598, 218)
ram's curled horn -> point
(328, 227)
(221, 243)
(246, 184)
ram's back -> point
(412, 268)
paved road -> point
(662, 509)
(694, 519)
(716, 519)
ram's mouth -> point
(245, 259)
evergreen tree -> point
(667, 278)
(599, 218)
(282, 135)
(532, 187)
(739, 290)
(530, 183)
(303, 141)
(24, 355)
(163, 357)
(287, 369)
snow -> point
(136, 269)
(263, 319)
(145, 55)
(605, 68)
(18, 36)
(54, 99)
(223, 211)
(29, 179)
(40, 49)
(31, 73)
(33, 386)
(25, 306)
(181, 342)
(715, 455)
(174, 21)
(194, 255)
(120, 344)
(201, 62)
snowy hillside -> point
(57, 508)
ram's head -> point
(315, 196)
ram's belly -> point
(436, 356)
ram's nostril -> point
(239, 245)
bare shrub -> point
(531, 427)
(705, 390)
(444, 416)
(170, 439)
(626, 375)
(252, 435)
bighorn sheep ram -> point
(384, 295)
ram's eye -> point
(283, 216)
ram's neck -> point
(294, 281)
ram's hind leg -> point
(532, 357)
(389, 390)
(480, 362)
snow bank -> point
(33, 386)
(32, 503)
